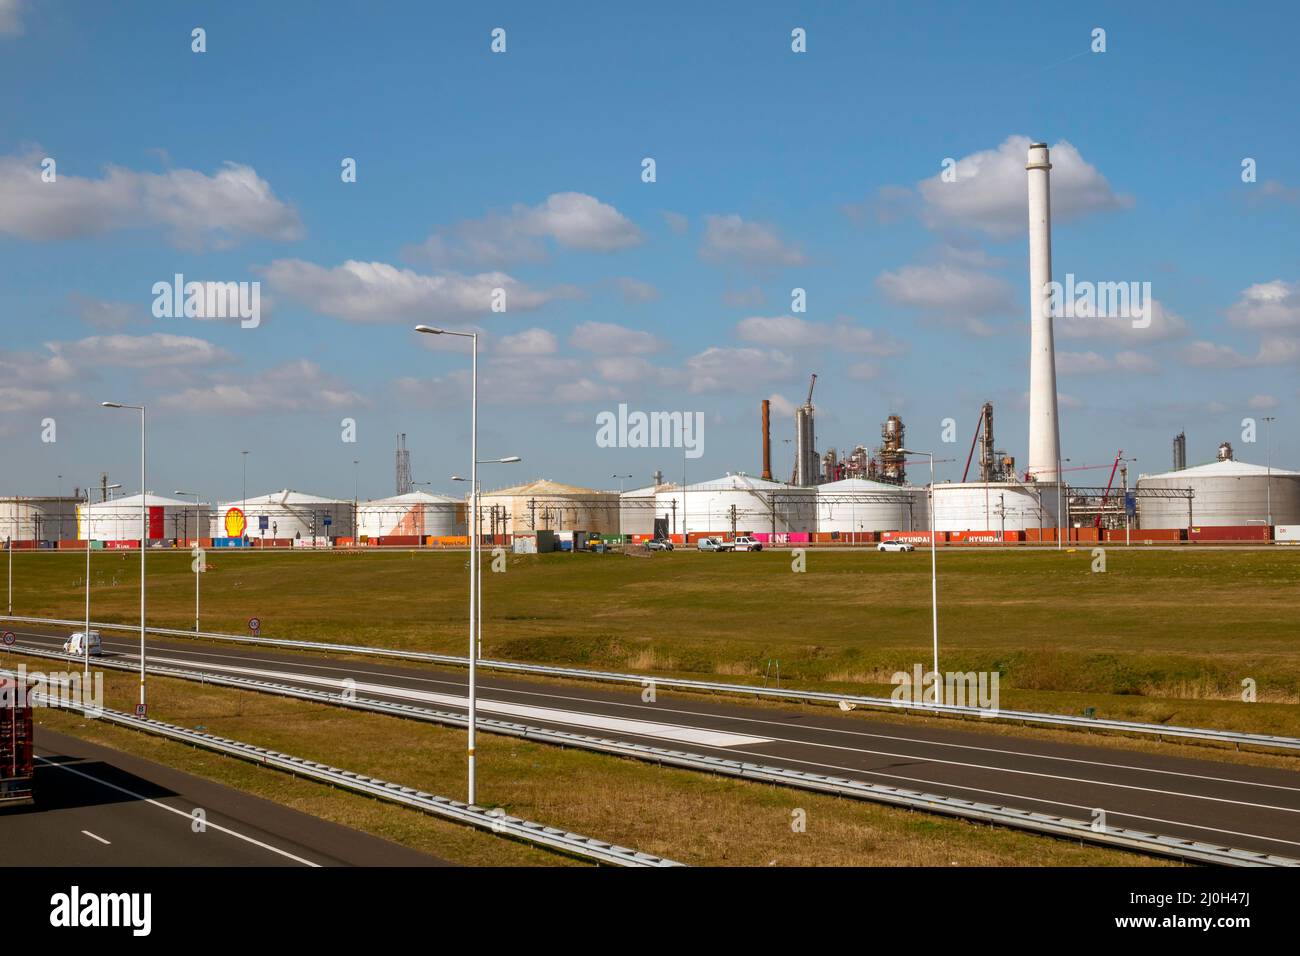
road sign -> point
(328, 521)
(9, 637)
(140, 710)
(254, 624)
(263, 522)
(1131, 503)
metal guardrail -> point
(498, 822)
(1160, 731)
(1041, 823)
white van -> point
(74, 646)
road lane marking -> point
(639, 728)
(96, 837)
(180, 813)
(833, 730)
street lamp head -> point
(458, 478)
(510, 460)
(111, 404)
(428, 329)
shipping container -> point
(1253, 532)
(1287, 532)
(16, 772)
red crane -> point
(1106, 497)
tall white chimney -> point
(1044, 430)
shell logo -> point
(235, 523)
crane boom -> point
(811, 383)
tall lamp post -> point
(144, 535)
(473, 543)
(1268, 481)
(476, 527)
(201, 564)
(934, 573)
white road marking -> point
(640, 728)
(95, 837)
(180, 813)
(660, 708)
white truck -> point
(747, 542)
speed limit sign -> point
(140, 710)
(9, 637)
(254, 624)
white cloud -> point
(863, 371)
(1263, 403)
(737, 370)
(153, 351)
(1202, 354)
(782, 407)
(951, 292)
(1268, 305)
(11, 22)
(990, 194)
(528, 342)
(374, 292)
(295, 386)
(889, 205)
(573, 220)
(677, 222)
(732, 239)
(635, 370)
(1091, 363)
(750, 298)
(198, 209)
(636, 291)
(790, 332)
(105, 315)
(605, 338)
(1164, 326)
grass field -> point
(1161, 635)
(689, 817)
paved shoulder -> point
(100, 807)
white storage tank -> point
(24, 518)
(858, 504)
(119, 519)
(545, 505)
(638, 509)
(994, 506)
(418, 513)
(760, 506)
(289, 514)
(1228, 493)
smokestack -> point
(767, 440)
(1044, 428)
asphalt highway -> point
(1246, 807)
(100, 807)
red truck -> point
(15, 745)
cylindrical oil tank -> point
(759, 506)
(289, 515)
(994, 506)
(418, 513)
(1225, 493)
(545, 505)
(25, 518)
(119, 519)
(857, 504)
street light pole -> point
(934, 574)
(197, 537)
(1268, 481)
(473, 549)
(144, 536)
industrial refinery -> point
(849, 496)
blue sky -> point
(523, 170)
